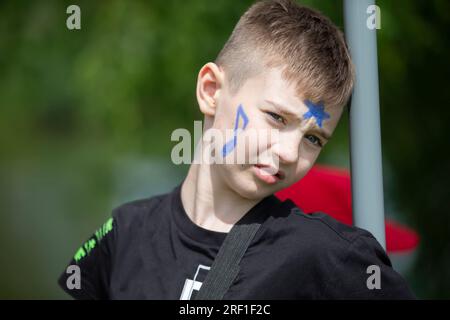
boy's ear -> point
(209, 87)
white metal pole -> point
(365, 136)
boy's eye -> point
(276, 117)
(314, 140)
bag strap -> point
(225, 267)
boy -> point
(285, 69)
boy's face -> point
(268, 103)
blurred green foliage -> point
(84, 113)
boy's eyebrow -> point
(287, 112)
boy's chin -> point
(247, 186)
(250, 192)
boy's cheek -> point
(303, 168)
(224, 122)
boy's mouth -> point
(267, 170)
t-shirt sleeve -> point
(88, 273)
(365, 272)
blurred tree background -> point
(86, 118)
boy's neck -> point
(209, 202)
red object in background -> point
(328, 189)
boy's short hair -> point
(282, 33)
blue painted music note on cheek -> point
(230, 145)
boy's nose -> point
(288, 147)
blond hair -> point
(282, 33)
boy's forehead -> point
(270, 88)
(271, 85)
(282, 92)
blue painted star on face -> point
(317, 111)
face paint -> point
(230, 145)
(317, 111)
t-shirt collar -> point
(258, 213)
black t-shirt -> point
(150, 249)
